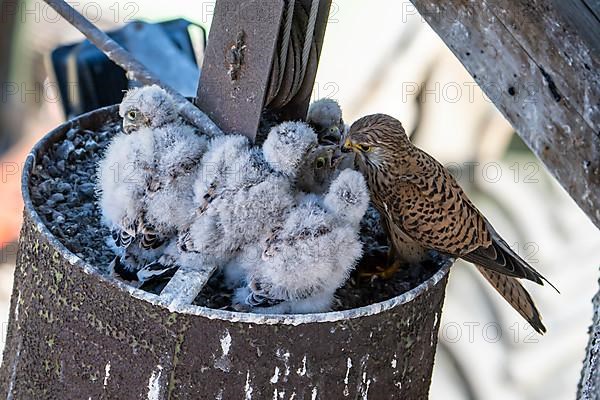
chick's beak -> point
(128, 127)
(336, 157)
(343, 159)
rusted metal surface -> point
(74, 334)
(237, 63)
(539, 62)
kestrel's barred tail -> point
(516, 295)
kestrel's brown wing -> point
(501, 258)
(441, 216)
(432, 209)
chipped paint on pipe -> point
(106, 373)
(302, 370)
(223, 363)
(88, 336)
(247, 388)
(348, 367)
(154, 385)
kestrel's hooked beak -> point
(349, 146)
(344, 157)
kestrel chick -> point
(147, 107)
(310, 255)
(321, 165)
(425, 209)
(292, 149)
(286, 146)
(237, 197)
(325, 117)
(146, 176)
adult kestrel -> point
(425, 209)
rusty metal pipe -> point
(76, 334)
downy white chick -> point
(227, 165)
(310, 255)
(246, 189)
(315, 174)
(286, 147)
(292, 149)
(325, 116)
(238, 196)
(123, 177)
(321, 165)
(217, 170)
(155, 157)
(170, 203)
(241, 192)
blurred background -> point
(377, 58)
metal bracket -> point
(237, 65)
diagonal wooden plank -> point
(525, 92)
(571, 40)
(594, 7)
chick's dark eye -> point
(132, 114)
(364, 148)
(320, 162)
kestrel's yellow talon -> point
(386, 273)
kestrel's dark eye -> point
(320, 162)
(132, 114)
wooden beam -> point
(538, 61)
(589, 384)
(236, 72)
